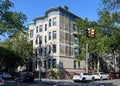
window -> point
(45, 64)
(74, 27)
(40, 39)
(36, 29)
(66, 49)
(49, 48)
(31, 33)
(54, 21)
(37, 40)
(78, 64)
(54, 63)
(66, 36)
(54, 48)
(49, 35)
(49, 62)
(45, 27)
(54, 34)
(49, 22)
(40, 51)
(45, 51)
(76, 40)
(40, 28)
(74, 64)
(35, 52)
(31, 42)
(45, 39)
(76, 52)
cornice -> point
(59, 9)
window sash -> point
(54, 34)
(49, 22)
(40, 28)
(54, 48)
(54, 21)
(31, 33)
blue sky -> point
(35, 8)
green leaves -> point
(109, 20)
(111, 4)
(10, 22)
(96, 45)
(16, 51)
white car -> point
(100, 76)
(83, 77)
(5, 75)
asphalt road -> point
(115, 82)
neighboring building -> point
(55, 42)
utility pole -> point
(87, 55)
(90, 33)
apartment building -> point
(54, 40)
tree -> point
(97, 45)
(111, 4)
(109, 22)
(10, 22)
(19, 51)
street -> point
(115, 82)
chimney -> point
(66, 8)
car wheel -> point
(108, 78)
(111, 78)
(16, 80)
(75, 81)
(93, 79)
(101, 78)
(83, 79)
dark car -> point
(5, 75)
(24, 77)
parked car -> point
(83, 77)
(24, 77)
(100, 76)
(1, 82)
(5, 75)
(117, 74)
(112, 76)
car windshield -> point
(102, 73)
(77, 73)
(96, 73)
(86, 74)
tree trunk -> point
(98, 65)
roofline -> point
(61, 9)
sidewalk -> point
(54, 80)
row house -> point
(54, 41)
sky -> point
(35, 8)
